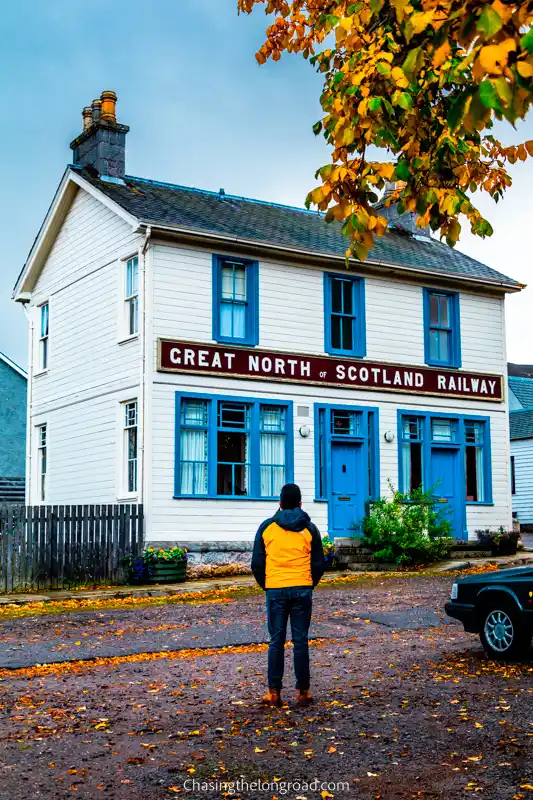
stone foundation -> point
(212, 552)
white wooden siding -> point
(83, 450)
(522, 450)
(292, 318)
(82, 282)
(291, 311)
(237, 520)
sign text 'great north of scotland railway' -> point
(237, 362)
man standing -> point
(288, 562)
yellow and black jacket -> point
(288, 551)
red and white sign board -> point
(254, 364)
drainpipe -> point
(142, 383)
(29, 397)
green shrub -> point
(407, 529)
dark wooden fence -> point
(58, 547)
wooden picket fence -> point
(60, 547)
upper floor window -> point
(344, 315)
(130, 447)
(442, 334)
(132, 296)
(235, 301)
(43, 337)
(228, 447)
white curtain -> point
(193, 462)
(272, 457)
(480, 474)
(406, 468)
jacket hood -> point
(292, 519)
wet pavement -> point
(104, 634)
(406, 705)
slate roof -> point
(523, 390)
(521, 424)
(258, 222)
(520, 370)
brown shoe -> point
(303, 697)
(272, 698)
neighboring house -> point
(193, 351)
(13, 389)
(521, 431)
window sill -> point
(41, 372)
(345, 354)
(223, 497)
(443, 365)
(237, 342)
(320, 500)
(130, 338)
(128, 498)
(479, 503)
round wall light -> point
(305, 431)
(389, 436)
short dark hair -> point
(290, 496)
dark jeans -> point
(295, 602)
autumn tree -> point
(422, 80)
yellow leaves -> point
(399, 78)
(529, 146)
(524, 69)
(420, 21)
(258, 750)
(332, 749)
(527, 786)
(493, 58)
(386, 170)
(325, 794)
(401, 8)
(441, 54)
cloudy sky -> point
(201, 114)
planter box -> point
(507, 547)
(167, 572)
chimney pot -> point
(102, 143)
(109, 104)
(87, 116)
(96, 108)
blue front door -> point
(348, 482)
(446, 480)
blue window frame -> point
(442, 328)
(235, 301)
(344, 315)
(236, 447)
(421, 432)
(345, 423)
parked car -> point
(499, 607)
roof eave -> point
(14, 366)
(68, 187)
(206, 236)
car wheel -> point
(502, 632)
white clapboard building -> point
(193, 351)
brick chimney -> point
(102, 143)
